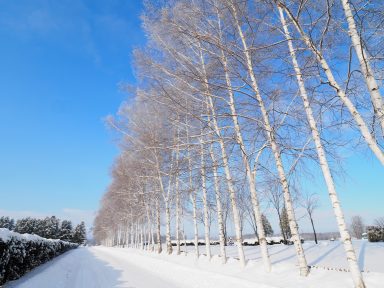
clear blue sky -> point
(60, 66)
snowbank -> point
(19, 253)
(127, 267)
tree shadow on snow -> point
(253, 254)
(362, 256)
(292, 255)
(323, 256)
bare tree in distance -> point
(357, 226)
(379, 222)
(310, 202)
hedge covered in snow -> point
(375, 234)
(19, 253)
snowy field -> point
(121, 267)
(328, 254)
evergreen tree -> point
(24, 226)
(33, 225)
(38, 227)
(267, 226)
(285, 224)
(66, 231)
(80, 234)
(6, 222)
(29, 225)
(51, 228)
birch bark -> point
(205, 203)
(333, 83)
(276, 153)
(365, 65)
(231, 189)
(177, 220)
(251, 180)
(346, 238)
(192, 196)
(220, 220)
(158, 224)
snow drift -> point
(19, 253)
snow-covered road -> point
(107, 267)
(93, 268)
(102, 267)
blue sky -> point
(61, 63)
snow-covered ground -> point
(130, 268)
(328, 254)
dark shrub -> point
(19, 253)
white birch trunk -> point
(122, 236)
(346, 238)
(137, 236)
(177, 192)
(121, 240)
(152, 239)
(152, 231)
(141, 238)
(251, 180)
(149, 225)
(195, 224)
(168, 227)
(167, 201)
(275, 150)
(158, 224)
(132, 236)
(185, 243)
(145, 243)
(184, 239)
(166, 198)
(231, 189)
(126, 235)
(220, 220)
(118, 236)
(192, 196)
(365, 65)
(205, 204)
(177, 217)
(364, 130)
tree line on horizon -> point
(240, 107)
(49, 228)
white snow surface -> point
(131, 268)
(6, 235)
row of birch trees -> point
(239, 101)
